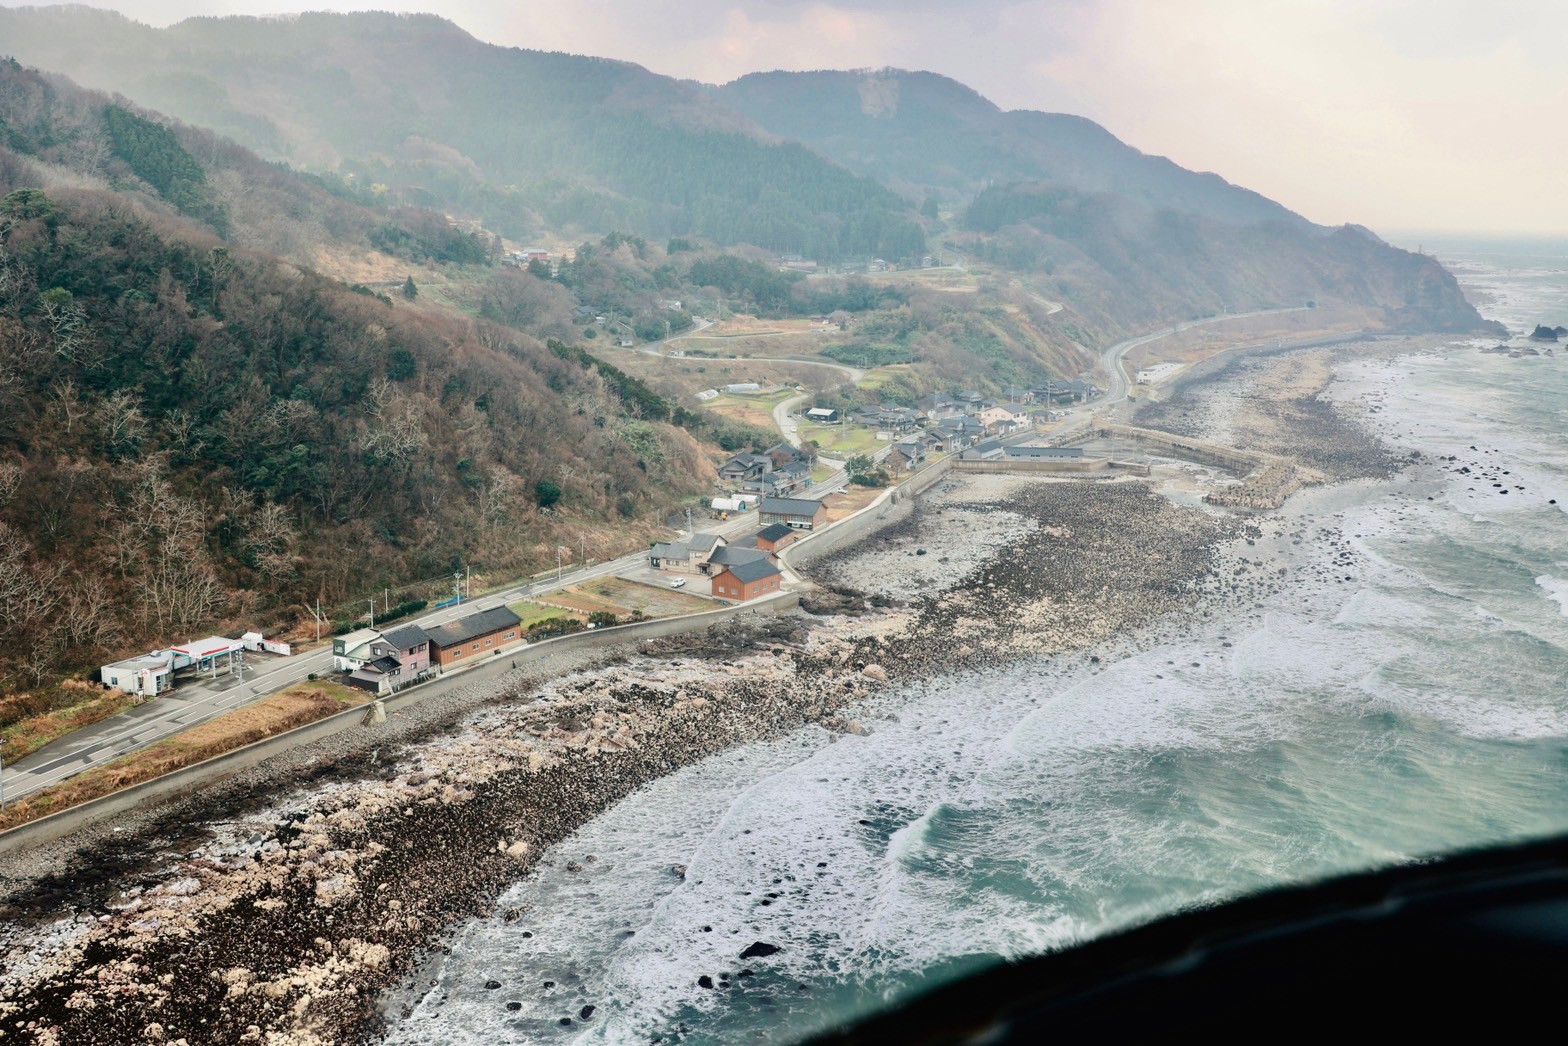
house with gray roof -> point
(801, 513)
(473, 637)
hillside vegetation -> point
(194, 434)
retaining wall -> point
(1072, 465)
(1197, 450)
(187, 780)
(890, 506)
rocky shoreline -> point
(244, 916)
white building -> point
(150, 674)
(352, 651)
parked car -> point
(679, 582)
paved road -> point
(1051, 307)
(1112, 359)
(196, 702)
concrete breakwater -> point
(298, 911)
(186, 782)
(282, 906)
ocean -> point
(1407, 696)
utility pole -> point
(468, 592)
(372, 613)
(386, 601)
(558, 564)
(457, 586)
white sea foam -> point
(1556, 591)
(1357, 721)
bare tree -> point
(394, 434)
(161, 544)
(29, 592)
(67, 322)
(89, 616)
(120, 419)
(497, 497)
(66, 403)
(270, 539)
(10, 482)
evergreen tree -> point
(410, 291)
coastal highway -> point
(1113, 358)
(196, 701)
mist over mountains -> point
(204, 321)
(830, 165)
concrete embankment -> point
(187, 781)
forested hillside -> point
(929, 135)
(525, 140)
(1120, 262)
(193, 435)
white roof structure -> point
(212, 646)
(358, 638)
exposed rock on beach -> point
(281, 908)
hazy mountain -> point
(921, 131)
(194, 433)
(526, 140)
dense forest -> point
(192, 434)
(1121, 262)
(523, 140)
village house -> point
(475, 636)
(689, 556)
(967, 430)
(907, 455)
(774, 537)
(1074, 391)
(743, 551)
(781, 470)
(745, 581)
(148, 675)
(800, 513)
(399, 658)
(745, 467)
(352, 651)
(1001, 421)
(986, 450)
(823, 415)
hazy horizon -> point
(1393, 115)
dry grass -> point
(300, 704)
(753, 410)
(1197, 343)
(841, 441)
(532, 613)
(652, 600)
(91, 704)
(620, 597)
(841, 505)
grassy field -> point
(754, 410)
(532, 613)
(301, 703)
(621, 597)
(841, 441)
(91, 704)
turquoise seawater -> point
(1408, 695)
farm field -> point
(610, 595)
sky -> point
(1403, 115)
